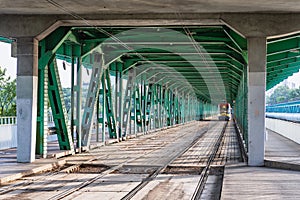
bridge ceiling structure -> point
(283, 59)
(204, 58)
(211, 50)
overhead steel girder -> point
(282, 59)
(282, 56)
(190, 56)
(162, 37)
(214, 61)
(91, 34)
(180, 85)
(283, 45)
(164, 78)
(158, 80)
(281, 73)
(175, 57)
(49, 46)
(294, 60)
(280, 77)
(279, 68)
(182, 49)
(237, 39)
(216, 43)
(164, 70)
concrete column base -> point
(27, 82)
(26, 117)
(256, 100)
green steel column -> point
(138, 110)
(153, 108)
(167, 106)
(104, 104)
(58, 108)
(134, 110)
(188, 107)
(47, 50)
(127, 105)
(160, 107)
(245, 106)
(183, 114)
(172, 110)
(119, 97)
(42, 112)
(102, 98)
(143, 106)
(111, 122)
(97, 118)
(149, 105)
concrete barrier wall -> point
(8, 136)
(287, 129)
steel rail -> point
(148, 179)
(205, 172)
(110, 170)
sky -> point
(6, 61)
(10, 64)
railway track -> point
(71, 192)
(206, 170)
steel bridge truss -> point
(138, 83)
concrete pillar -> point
(256, 100)
(27, 77)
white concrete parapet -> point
(8, 136)
(287, 129)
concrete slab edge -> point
(282, 165)
(36, 170)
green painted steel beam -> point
(294, 60)
(282, 73)
(47, 50)
(281, 67)
(237, 39)
(282, 56)
(58, 108)
(110, 117)
(284, 45)
(6, 40)
(221, 49)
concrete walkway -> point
(240, 181)
(243, 182)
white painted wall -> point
(8, 136)
(287, 129)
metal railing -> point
(8, 120)
(12, 120)
(289, 107)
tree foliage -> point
(283, 94)
(67, 98)
(7, 94)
